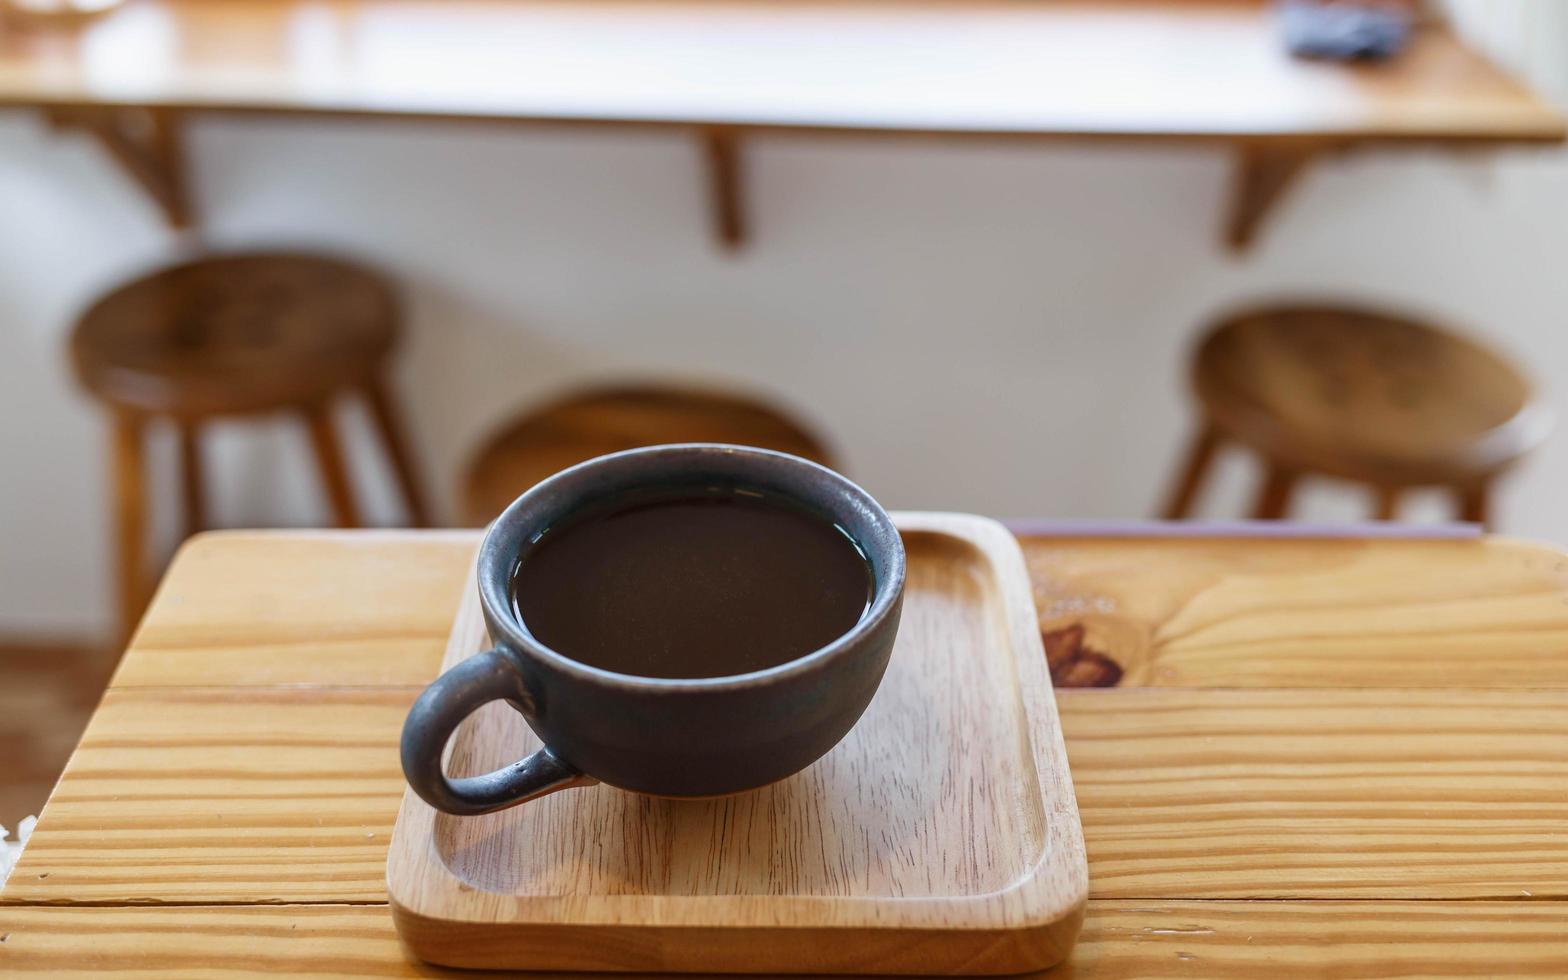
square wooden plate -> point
(941, 836)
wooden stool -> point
(605, 420)
(1360, 395)
(232, 336)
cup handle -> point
(456, 694)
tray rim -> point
(1048, 896)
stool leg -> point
(1274, 497)
(1199, 455)
(329, 460)
(129, 506)
(193, 489)
(388, 423)
(1387, 503)
(1474, 505)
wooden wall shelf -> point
(1198, 71)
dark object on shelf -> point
(236, 335)
(1344, 31)
(1370, 397)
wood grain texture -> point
(1200, 69)
(306, 941)
(1490, 613)
(332, 609)
(1233, 794)
(1442, 778)
(1144, 940)
(1282, 794)
(939, 836)
(319, 609)
(223, 795)
(1150, 940)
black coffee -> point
(700, 583)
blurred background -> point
(979, 296)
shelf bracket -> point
(148, 145)
(726, 192)
(1264, 173)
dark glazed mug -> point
(667, 737)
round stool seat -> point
(1365, 396)
(277, 333)
(236, 334)
(606, 420)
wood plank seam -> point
(1098, 900)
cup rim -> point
(495, 563)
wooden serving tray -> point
(941, 836)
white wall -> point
(989, 328)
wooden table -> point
(1203, 71)
(1324, 759)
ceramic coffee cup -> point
(668, 737)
